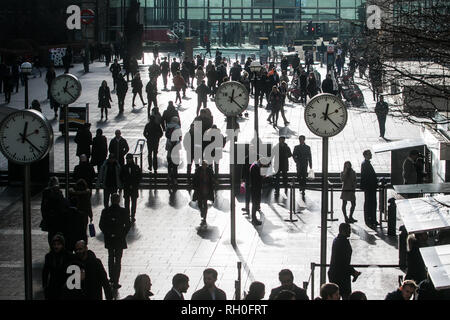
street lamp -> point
(26, 69)
(255, 67)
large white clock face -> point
(232, 98)
(25, 136)
(65, 89)
(326, 115)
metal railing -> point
(139, 154)
(311, 279)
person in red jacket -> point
(180, 84)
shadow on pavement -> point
(210, 233)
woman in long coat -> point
(99, 149)
(204, 183)
(81, 195)
(348, 178)
(104, 99)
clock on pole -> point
(26, 137)
(232, 99)
(326, 116)
(66, 89)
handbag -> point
(310, 174)
(242, 188)
(91, 230)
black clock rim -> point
(316, 97)
(78, 83)
(44, 121)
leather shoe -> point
(356, 275)
(117, 286)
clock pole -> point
(66, 148)
(233, 187)
(28, 262)
(324, 212)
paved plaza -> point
(166, 240)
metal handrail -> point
(140, 143)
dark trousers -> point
(1, 85)
(302, 173)
(107, 192)
(152, 149)
(121, 100)
(199, 104)
(344, 208)
(259, 94)
(164, 76)
(133, 199)
(382, 125)
(178, 97)
(203, 206)
(114, 264)
(370, 207)
(8, 96)
(277, 180)
(172, 170)
(140, 95)
(150, 101)
(48, 91)
(248, 194)
(256, 201)
(114, 82)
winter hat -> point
(59, 238)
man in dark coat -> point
(153, 133)
(202, 96)
(169, 113)
(302, 158)
(83, 139)
(109, 178)
(404, 293)
(122, 88)
(382, 110)
(152, 93)
(165, 71)
(55, 267)
(295, 62)
(95, 277)
(53, 208)
(99, 149)
(119, 146)
(286, 278)
(256, 187)
(284, 64)
(369, 183)
(235, 72)
(327, 85)
(180, 284)
(203, 183)
(84, 170)
(209, 291)
(115, 224)
(49, 76)
(131, 176)
(340, 268)
(115, 70)
(174, 67)
(284, 153)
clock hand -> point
(67, 91)
(30, 143)
(326, 111)
(30, 134)
(24, 131)
(237, 104)
(333, 123)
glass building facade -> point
(234, 22)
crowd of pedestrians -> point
(66, 219)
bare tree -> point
(409, 58)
